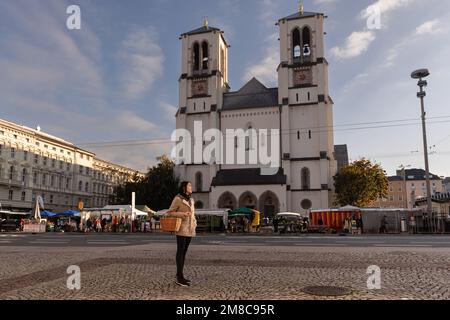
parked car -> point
(9, 225)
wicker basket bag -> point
(170, 224)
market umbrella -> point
(241, 212)
(69, 213)
(47, 214)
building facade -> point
(300, 108)
(33, 163)
(406, 188)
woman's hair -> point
(183, 187)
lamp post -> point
(403, 168)
(420, 75)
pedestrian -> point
(383, 228)
(183, 207)
(275, 224)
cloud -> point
(356, 44)
(430, 27)
(384, 7)
(168, 110)
(143, 60)
(266, 69)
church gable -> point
(252, 95)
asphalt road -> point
(114, 240)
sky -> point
(116, 79)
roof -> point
(299, 15)
(247, 177)
(395, 178)
(252, 95)
(201, 30)
(419, 174)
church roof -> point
(203, 29)
(247, 177)
(299, 15)
(252, 95)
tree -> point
(156, 190)
(360, 184)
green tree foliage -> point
(360, 184)
(156, 190)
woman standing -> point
(183, 207)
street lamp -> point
(403, 168)
(420, 75)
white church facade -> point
(300, 108)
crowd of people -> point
(119, 224)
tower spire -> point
(300, 7)
(205, 21)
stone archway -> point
(248, 200)
(227, 201)
(269, 204)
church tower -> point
(307, 144)
(203, 81)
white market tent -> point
(292, 215)
(125, 209)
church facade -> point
(299, 109)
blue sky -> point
(116, 78)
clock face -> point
(302, 77)
(199, 88)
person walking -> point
(183, 207)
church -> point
(300, 109)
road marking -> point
(48, 242)
(107, 243)
(401, 245)
(5, 241)
(320, 245)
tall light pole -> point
(421, 74)
(403, 168)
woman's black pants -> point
(182, 248)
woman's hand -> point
(187, 214)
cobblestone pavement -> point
(222, 272)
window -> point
(198, 182)
(86, 187)
(37, 143)
(68, 167)
(305, 179)
(60, 164)
(67, 183)
(306, 37)
(54, 149)
(15, 136)
(52, 180)
(81, 156)
(13, 152)
(35, 176)
(24, 175)
(1, 149)
(196, 56)
(53, 163)
(296, 44)
(391, 198)
(296, 96)
(391, 189)
(45, 146)
(309, 96)
(23, 196)
(36, 159)
(198, 205)
(87, 171)
(33, 196)
(11, 172)
(309, 133)
(400, 198)
(298, 135)
(306, 204)
(25, 155)
(205, 56)
(44, 179)
(51, 198)
(60, 182)
(80, 186)
(44, 162)
(81, 169)
(10, 195)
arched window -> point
(306, 179)
(306, 42)
(196, 56)
(198, 182)
(86, 187)
(296, 44)
(205, 55)
(80, 186)
(24, 174)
